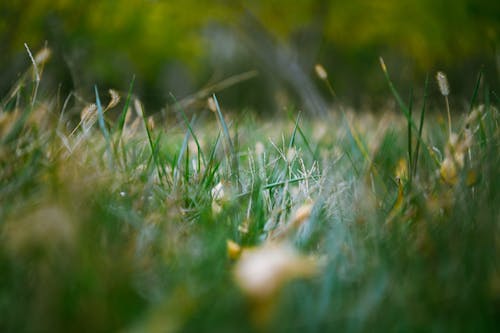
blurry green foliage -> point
(426, 30)
(113, 39)
(147, 31)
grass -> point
(374, 223)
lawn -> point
(217, 221)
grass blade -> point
(403, 106)
(123, 115)
(298, 129)
(292, 139)
(476, 90)
(190, 129)
(37, 76)
(235, 174)
(183, 150)
(420, 126)
(154, 150)
(102, 125)
(410, 149)
(396, 95)
(212, 164)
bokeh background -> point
(181, 47)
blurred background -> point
(268, 48)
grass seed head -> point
(442, 81)
(88, 112)
(88, 116)
(382, 64)
(151, 123)
(138, 108)
(321, 72)
(211, 104)
(115, 99)
(43, 56)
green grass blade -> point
(287, 181)
(190, 128)
(223, 124)
(212, 164)
(298, 129)
(157, 153)
(154, 150)
(476, 90)
(494, 94)
(235, 173)
(294, 133)
(410, 148)
(487, 111)
(421, 125)
(306, 142)
(396, 95)
(123, 115)
(403, 106)
(280, 183)
(180, 157)
(102, 125)
(497, 99)
(186, 165)
(482, 126)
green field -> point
(216, 221)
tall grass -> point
(141, 244)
